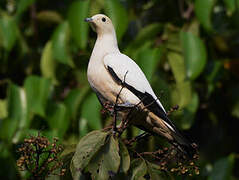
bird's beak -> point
(88, 19)
(92, 24)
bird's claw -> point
(124, 106)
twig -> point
(185, 14)
(139, 137)
(116, 102)
(172, 109)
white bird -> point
(109, 70)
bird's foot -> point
(124, 106)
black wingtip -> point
(185, 145)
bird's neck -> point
(105, 44)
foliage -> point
(105, 155)
(188, 50)
(40, 158)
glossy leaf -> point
(138, 169)
(146, 33)
(58, 119)
(184, 91)
(78, 11)
(124, 157)
(83, 127)
(194, 53)
(162, 90)
(222, 168)
(38, 91)
(17, 113)
(88, 146)
(189, 112)
(154, 173)
(148, 59)
(60, 44)
(8, 32)
(49, 16)
(22, 6)
(73, 100)
(48, 64)
(203, 10)
(3, 109)
(177, 65)
(96, 7)
(182, 94)
(91, 111)
(118, 15)
(106, 162)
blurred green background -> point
(188, 49)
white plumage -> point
(109, 70)
(124, 67)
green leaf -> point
(222, 169)
(146, 33)
(83, 127)
(189, 112)
(22, 6)
(60, 40)
(124, 157)
(177, 65)
(96, 7)
(48, 64)
(91, 111)
(17, 113)
(148, 59)
(48, 16)
(73, 100)
(78, 11)
(203, 10)
(195, 54)
(8, 32)
(37, 90)
(69, 150)
(182, 94)
(106, 162)
(118, 15)
(3, 109)
(85, 150)
(154, 173)
(163, 91)
(138, 169)
(58, 118)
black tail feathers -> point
(184, 145)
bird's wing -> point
(125, 71)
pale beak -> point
(88, 19)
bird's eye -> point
(103, 19)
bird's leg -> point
(125, 121)
(116, 104)
(139, 137)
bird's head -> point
(101, 24)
